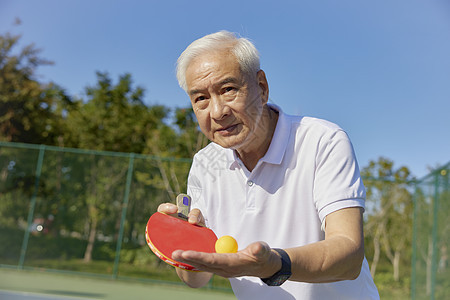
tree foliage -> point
(390, 206)
(110, 116)
(113, 117)
(31, 111)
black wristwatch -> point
(283, 274)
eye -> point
(229, 91)
(200, 102)
(200, 98)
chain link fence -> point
(431, 237)
(72, 210)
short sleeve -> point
(337, 182)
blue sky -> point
(380, 69)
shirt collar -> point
(278, 145)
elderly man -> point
(286, 187)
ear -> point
(263, 85)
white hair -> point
(244, 50)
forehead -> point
(211, 67)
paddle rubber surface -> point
(166, 234)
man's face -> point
(227, 103)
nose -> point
(219, 108)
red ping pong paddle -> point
(165, 234)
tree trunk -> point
(376, 254)
(397, 266)
(429, 265)
(91, 240)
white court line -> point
(15, 295)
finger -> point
(167, 208)
(219, 264)
(257, 253)
(194, 256)
(191, 258)
(251, 261)
(196, 217)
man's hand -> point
(255, 260)
(195, 216)
(192, 279)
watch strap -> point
(283, 274)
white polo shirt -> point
(308, 172)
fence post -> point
(26, 236)
(414, 243)
(124, 214)
(434, 234)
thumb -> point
(267, 261)
(260, 250)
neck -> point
(259, 146)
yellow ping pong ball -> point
(226, 244)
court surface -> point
(35, 285)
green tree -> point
(30, 111)
(389, 222)
(114, 118)
(182, 140)
(191, 139)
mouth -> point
(226, 130)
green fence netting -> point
(431, 237)
(84, 211)
(72, 210)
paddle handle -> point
(184, 205)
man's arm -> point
(338, 257)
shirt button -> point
(249, 183)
